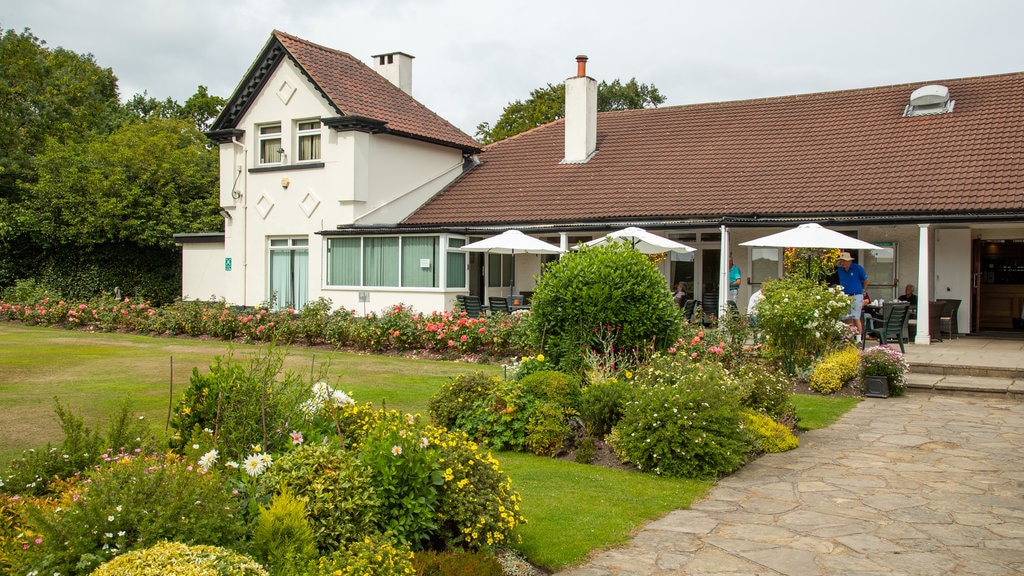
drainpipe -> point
(245, 218)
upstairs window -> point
(271, 151)
(309, 140)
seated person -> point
(909, 296)
(680, 294)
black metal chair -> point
(470, 305)
(690, 308)
(709, 307)
(499, 304)
(893, 324)
(947, 319)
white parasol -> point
(643, 241)
(512, 242)
(812, 235)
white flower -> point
(341, 399)
(254, 465)
(208, 460)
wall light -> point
(285, 183)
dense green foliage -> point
(282, 536)
(532, 414)
(127, 503)
(243, 406)
(451, 563)
(548, 104)
(607, 300)
(91, 191)
(683, 419)
(801, 319)
(174, 558)
(35, 471)
(770, 435)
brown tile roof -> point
(352, 87)
(830, 153)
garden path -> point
(922, 484)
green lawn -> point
(93, 372)
(570, 508)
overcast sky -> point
(473, 58)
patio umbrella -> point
(512, 242)
(810, 235)
(642, 240)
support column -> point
(723, 273)
(924, 286)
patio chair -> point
(471, 305)
(499, 304)
(893, 324)
(947, 319)
(709, 307)
(690, 308)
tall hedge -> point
(602, 298)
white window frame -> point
(273, 156)
(314, 134)
(439, 263)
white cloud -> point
(473, 58)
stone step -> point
(966, 384)
(961, 370)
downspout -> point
(245, 217)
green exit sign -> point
(227, 264)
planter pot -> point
(876, 386)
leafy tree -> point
(143, 183)
(548, 104)
(46, 94)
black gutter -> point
(665, 224)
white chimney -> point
(397, 68)
(580, 115)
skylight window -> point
(928, 100)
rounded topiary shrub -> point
(176, 559)
(579, 296)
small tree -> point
(589, 294)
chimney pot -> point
(581, 65)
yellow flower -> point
(540, 357)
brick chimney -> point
(396, 67)
(580, 115)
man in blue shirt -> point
(735, 279)
(854, 281)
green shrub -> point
(341, 503)
(609, 285)
(551, 386)
(246, 406)
(282, 536)
(601, 405)
(771, 435)
(585, 451)
(456, 563)
(835, 370)
(132, 502)
(176, 559)
(478, 507)
(547, 429)
(682, 420)
(765, 390)
(371, 556)
(80, 449)
(801, 319)
(527, 365)
(405, 474)
(457, 395)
